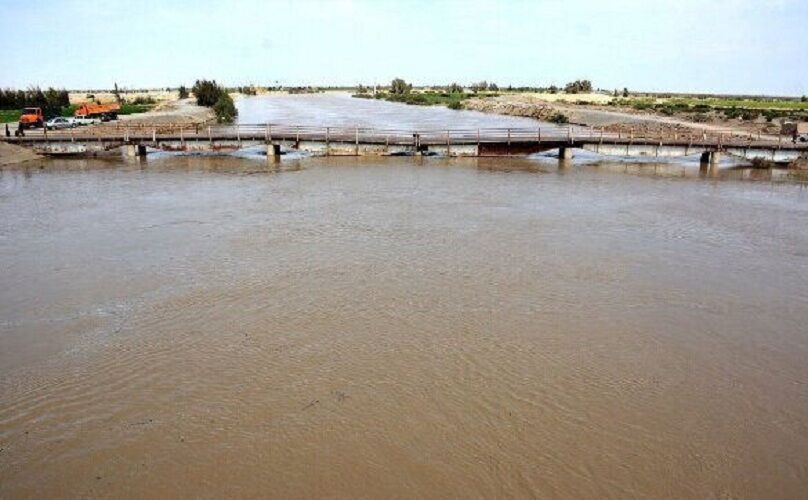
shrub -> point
(207, 92)
(224, 109)
(559, 118)
(454, 88)
(750, 115)
(183, 92)
(476, 87)
(139, 100)
(625, 92)
(399, 86)
(578, 87)
(455, 105)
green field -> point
(130, 109)
(9, 115)
(714, 103)
(428, 98)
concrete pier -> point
(273, 152)
(565, 154)
(135, 150)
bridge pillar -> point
(135, 150)
(273, 152)
(565, 153)
(705, 158)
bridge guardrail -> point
(273, 131)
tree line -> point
(51, 100)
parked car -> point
(58, 122)
(83, 120)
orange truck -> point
(105, 112)
(31, 118)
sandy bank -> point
(176, 111)
(540, 107)
(11, 154)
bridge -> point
(136, 139)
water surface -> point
(374, 327)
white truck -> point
(85, 120)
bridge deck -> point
(117, 134)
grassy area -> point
(747, 109)
(711, 103)
(428, 98)
(761, 103)
(9, 115)
(130, 109)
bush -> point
(559, 118)
(225, 109)
(399, 86)
(578, 87)
(183, 92)
(207, 92)
(455, 105)
(454, 88)
(476, 87)
(143, 100)
(750, 115)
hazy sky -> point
(743, 46)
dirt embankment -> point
(184, 111)
(11, 154)
(611, 118)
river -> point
(205, 326)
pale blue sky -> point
(741, 46)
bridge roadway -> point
(346, 141)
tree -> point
(625, 92)
(207, 92)
(804, 99)
(454, 88)
(117, 94)
(616, 93)
(493, 87)
(578, 86)
(183, 92)
(399, 86)
(553, 89)
(360, 89)
(224, 108)
(476, 87)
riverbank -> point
(616, 115)
(11, 154)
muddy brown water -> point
(375, 327)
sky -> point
(716, 46)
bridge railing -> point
(430, 136)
